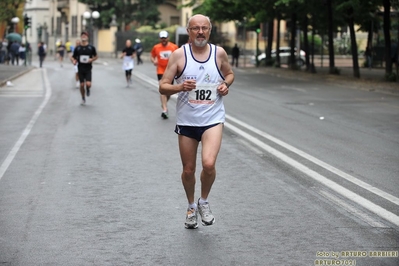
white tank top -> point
(202, 106)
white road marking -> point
(11, 155)
(314, 160)
(361, 214)
(389, 216)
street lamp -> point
(91, 16)
(15, 21)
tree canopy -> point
(325, 17)
(142, 12)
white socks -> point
(202, 201)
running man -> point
(203, 76)
(75, 67)
(61, 52)
(160, 54)
(128, 61)
(84, 55)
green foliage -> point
(8, 9)
(141, 11)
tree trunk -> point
(306, 41)
(278, 40)
(330, 36)
(270, 26)
(351, 25)
(387, 36)
(293, 37)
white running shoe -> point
(207, 217)
(191, 219)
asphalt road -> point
(307, 173)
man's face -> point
(164, 41)
(128, 43)
(84, 38)
(199, 31)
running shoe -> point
(87, 92)
(165, 115)
(83, 101)
(207, 217)
(191, 219)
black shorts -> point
(193, 132)
(84, 75)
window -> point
(74, 26)
(174, 20)
(58, 26)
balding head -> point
(199, 18)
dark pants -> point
(14, 57)
(139, 61)
(235, 60)
(41, 59)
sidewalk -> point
(10, 72)
(370, 79)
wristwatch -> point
(227, 84)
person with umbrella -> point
(14, 52)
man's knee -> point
(188, 173)
(208, 166)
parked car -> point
(285, 54)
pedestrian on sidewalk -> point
(138, 46)
(160, 54)
(203, 76)
(368, 55)
(22, 52)
(41, 53)
(235, 53)
(3, 51)
(14, 52)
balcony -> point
(62, 5)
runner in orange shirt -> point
(160, 54)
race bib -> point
(84, 59)
(128, 63)
(165, 54)
(203, 94)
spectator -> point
(235, 54)
(367, 54)
(14, 52)
(3, 51)
(138, 46)
(22, 52)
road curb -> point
(3, 82)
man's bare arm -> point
(172, 69)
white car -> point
(285, 54)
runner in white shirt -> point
(75, 67)
(203, 76)
(127, 55)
